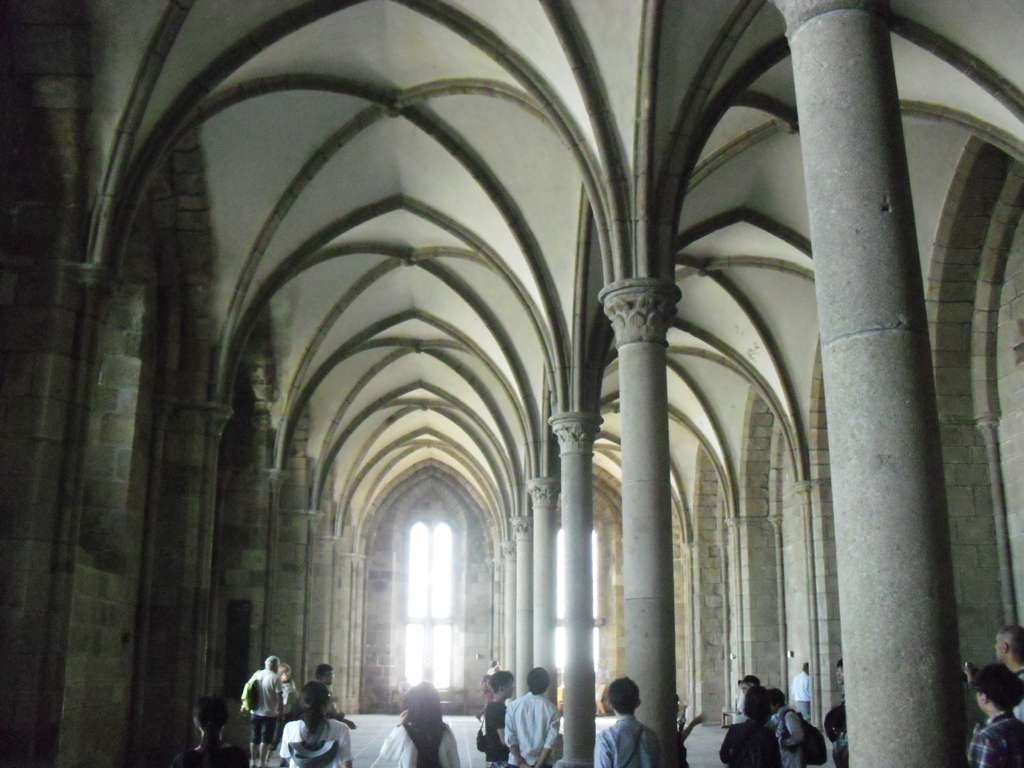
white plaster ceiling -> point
(476, 183)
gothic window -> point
(560, 598)
(428, 629)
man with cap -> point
(745, 685)
(265, 715)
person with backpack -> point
(789, 730)
(491, 737)
(262, 696)
(751, 744)
(421, 739)
(211, 715)
(315, 740)
(629, 743)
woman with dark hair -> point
(211, 715)
(421, 739)
(316, 741)
(751, 744)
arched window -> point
(428, 631)
(560, 598)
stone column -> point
(804, 489)
(989, 428)
(892, 533)
(641, 310)
(508, 548)
(775, 520)
(215, 417)
(576, 433)
(544, 494)
(313, 517)
(354, 607)
(522, 526)
(274, 479)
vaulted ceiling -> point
(424, 199)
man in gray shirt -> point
(264, 717)
(629, 743)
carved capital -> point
(544, 491)
(776, 522)
(797, 12)
(641, 309)
(508, 548)
(522, 526)
(275, 477)
(576, 431)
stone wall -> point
(430, 496)
(1010, 367)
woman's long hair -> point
(211, 714)
(424, 724)
(315, 700)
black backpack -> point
(815, 752)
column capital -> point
(989, 425)
(576, 431)
(776, 521)
(274, 477)
(544, 491)
(522, 526)
(798, 12)
(641, 309)
(508, 548)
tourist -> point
(421, 739)
(683, 730)
(999, 742)
(789, 730)
(600, 682)
(835, 723)
(485, 686)
(211, 715)
(629, 742)
(531, 723)
(325, 674)
(403, 690)
(750, 744)
(289, 705)
(266, 712)
(315, 735)
(502, 688)
(744, 685)
(800, 691)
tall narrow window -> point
(428, 633)
(560, 597)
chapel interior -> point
(686, 336)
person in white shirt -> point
(264, 717)
(421, 739)
(800, 692)
(531, 723)
(315, 733)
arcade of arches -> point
(319, 320)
